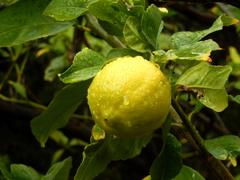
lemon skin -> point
(129, 97)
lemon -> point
(129, 97)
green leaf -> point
(164, 41)
(208, 81)
(104, 10)
(235, 61)
(237, 85)
(133, 36)
(216, 99)
(19, 88)
(120, 52)
(237, 177)
(152, 26)
(55, 67)
(66, 10)
(235, 98)
(228, 20)
(180, 39)
(59, 111)
(169, 162)
(199, 51)
(223, 147)
(136, 2)
(59, 170)
(234, 55)
(59, 138)
(98, 155)
(86, 65)
(166, 128)
(24, 21)
(97, 44)
(235, 12)
(8, 2)
(235, 68)
(205, 76)
(23, 172)
(4, 167)
(187, 173)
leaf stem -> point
(217, 166)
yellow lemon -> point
(129, 97)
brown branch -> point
(215, 165)
(203, 17)
(28, 111)
(77, 42)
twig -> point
(232, 2)
(182, 132)
(190, 154)
(6, 76)
(218, 125)
(26, 102)
(217, 166)
(96, 27)
(221, 123)
(78, 40)
(37, 106)
(22, 67)
(189, 11)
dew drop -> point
(106, 114)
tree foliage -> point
(50, 50)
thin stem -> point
(232, 2)
(20, 101)
(22, 67)
(6, 76)
(96, 27)
(181, 132)
(190, 154)
(82, 117)
(221, 123)
(38, 106)
(217, 166)
(189, 125)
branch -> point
(232, 2)
(26, 111)
(217, 166)
(96, 27)
(37, 106)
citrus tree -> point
(119, 89)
